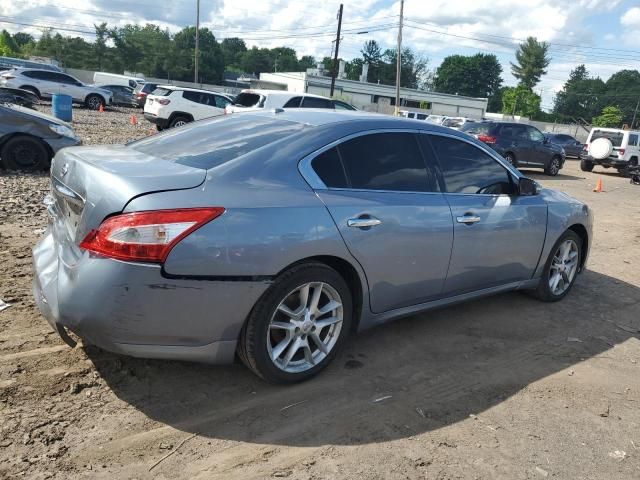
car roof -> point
(281, 92)
(187, 89)
(613, 130)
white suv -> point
(170, 106)
(611, 147)
(249, 100)
(46, 83)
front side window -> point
(293, 102)
(467, 169)
(633, 140)
(535, 135)
(220, 102)
(385, 161)
(313, 102)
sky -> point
(602, 34)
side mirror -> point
(527, 186)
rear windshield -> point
(614, 137)
(209, 143)
(162, 92)
(247, 99)
(452, 122)
(474, 128)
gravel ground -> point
(504, 387)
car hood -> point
(34, 113)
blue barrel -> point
(61, 107)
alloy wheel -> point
(554, 168)
(509, 158)
(564, 267)
(305, 327)
(179, 123)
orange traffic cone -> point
(598, 186)
(101, 108)
(133, 120)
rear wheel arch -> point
(32, 89)
(581, 231)
(180, 114)
(633, 160)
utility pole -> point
(635, 112)
(399, 60)
(197, 53)
(334, 70)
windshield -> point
(614, 137)
(209, 143)
(248, 99)
(474, 128)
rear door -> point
(514, 138)
(314, 102)
(196, 103)
(385, 201)
(70, 86)
(47, 82)
(498, 235)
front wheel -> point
(554, 167)
(298, 325)
(24, 153)
(561, 268)
(94, 102)
(509, 157)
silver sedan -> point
(274, 235)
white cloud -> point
(631, 18)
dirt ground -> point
(505, 387)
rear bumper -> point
(133, 310)
(606, 162)
(161, 122)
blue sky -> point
(603, 34)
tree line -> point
(157, 53)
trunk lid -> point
(91, 183)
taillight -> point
(164, 101)
(146, 236)
(7, 77)
(585, 147)
(487, 138)
(621, 152)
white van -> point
(611, 147)
(104, 78)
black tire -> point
(159, 128)
(543, 291)
(252, 344)
(26, 153)
(586, 165)
(511, 158)
(33, 90)
(94, 102)
(554, 166)
(179, 120)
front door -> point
(541, 153)
(394, 221)
(498, 235)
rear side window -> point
(385, 161)
(209, 143)
(194, 97)
(329, 168)
(293, 102)
(247, 99)
(633, 140)
(220, 101)
(614, 137)
(467, 169)
(421, 116)
(313, 102)
(476, 128)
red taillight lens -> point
(487, 138)
(621, 151)
(164, 101)
(146, 236)
(585, 147)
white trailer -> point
(104, 78)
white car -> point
(170, 106)
(249, 100)
(456, 122)
(611, 147)
(46, 83)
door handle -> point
(468, 219)
(363, 222)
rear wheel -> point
(179, 121)
(561, 268)
(298, 326)
(24, 153)
(32, 90)
(509, 157)
(586, 165)
(94, 102)
(554, 167)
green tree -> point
(581, 96)
(22, 39)
(8, 46)
(532, 61)
(475, 76)
(521, 101)
(623, 91)
(257, 60)
(373, 55)
(611, 117)
(307, 61)
(211, 60)
(232, 50)
(100, 45)
(284, 59)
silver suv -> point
(45, 84)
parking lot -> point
(504, 387)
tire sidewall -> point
(543, 288)
(9, 162)
(554, 167)
(266, 306)
(178, 119)
(94, 96)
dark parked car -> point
(521, 145)
(18, 96)
(122, 95)
(141, 92)
(29, 139)
(572, 147)
(275, 234)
